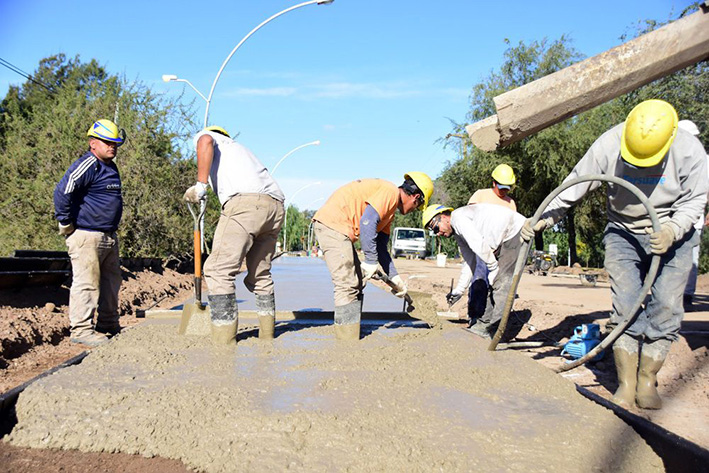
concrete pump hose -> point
(522, 257)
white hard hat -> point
(690, 126)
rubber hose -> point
(522, 257)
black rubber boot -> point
(625, 353)
(652, 357)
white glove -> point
(492, 275)
(528, 231)
(368, 270)
(661, 241)
(400, 290)
(196, 193)
(492, 269)
(453, 297)
(66, 230)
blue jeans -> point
(627, 261)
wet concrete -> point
(404, 398)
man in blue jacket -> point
(88, 205)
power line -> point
(19, 71)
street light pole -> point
(214, 84)
(285, 219)
(312, 143)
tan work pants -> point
(96, 279)
(342, 261)
(248, 228)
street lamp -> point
(208, 99)
(316, 142)
(285, 219)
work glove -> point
(453, 297)
(492, 269)
(196, 193)
(368, 270)
(528, 231)
(661, 241)
(66, 230)
(400, 289)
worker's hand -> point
(661, 241)
(368, 270)
(528, 231)
(400, 289)
(196, 193)
(453, 297)
(66, 230)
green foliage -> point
(543, 160)
(295, 229)
(43, 131)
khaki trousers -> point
(342, 261)
(96, 279)
(248, 229)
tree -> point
(43, 127)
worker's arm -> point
(383, 256)
(591, 163)
(689, 207)
(205, 155)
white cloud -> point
(267, 92)
(328, 127)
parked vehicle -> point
(408, 241)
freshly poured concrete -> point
(404, 398)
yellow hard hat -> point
(648, 133)
(218, 129)
(503, 174)
(108, 131)
(433, 210)
(424, 183)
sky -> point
(376, 81)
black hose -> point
(522, 257)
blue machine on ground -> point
(584, 339)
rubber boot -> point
(347, 321)
(225, 318)
(652, 357)
(266, 307)
(625, 352)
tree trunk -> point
(572, 237)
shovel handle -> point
(197, 218)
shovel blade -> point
(195, 320)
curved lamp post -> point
(285, 219)
(208, 99)
(312, 143)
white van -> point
(408, 241)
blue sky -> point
(375, 81)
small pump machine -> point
(584, 339)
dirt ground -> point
(34, 329)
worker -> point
(503, 178)
(691, 286)
(487, 232)
(250, 220)
(364, 209)
(88, 205)
(669, 166)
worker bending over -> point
(503, 178)
(251, 218)
(487, 232)
(364, 210)
(669, 166)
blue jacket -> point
(89, 195)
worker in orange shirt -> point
(503, 179)
(364, 209)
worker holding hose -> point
(364, 209)
(251, 218)
(669, 166)
(487, 232)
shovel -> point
(385, 279)
(195, 318)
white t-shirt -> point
(235, 170)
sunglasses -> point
(434, 225)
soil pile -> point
(405, 398)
